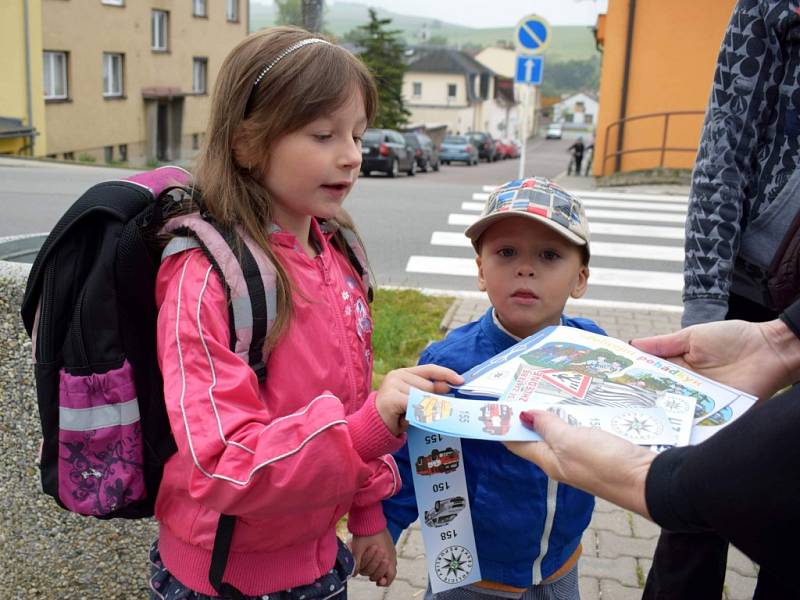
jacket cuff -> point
(371, 438)
(366, 520)
(703, 310)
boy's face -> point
(528, 270)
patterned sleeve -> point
(740, 107)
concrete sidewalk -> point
(618, 545)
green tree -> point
(383, 55)
(290, 12)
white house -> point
(578, 110)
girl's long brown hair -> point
(306, 84)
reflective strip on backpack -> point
(177, 245)
(98, 417)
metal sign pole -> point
(524, 131)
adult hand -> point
(757, 358)
(392, 397)
(595, 461)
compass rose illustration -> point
(636, 426)
(453, 564)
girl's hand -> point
(375, 557)
(392, 397)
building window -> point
(123, 152)
(195, 141)
(232, 10)
(55, 76)
(199, 75)
(108, 154)
(114, 2)
(417, 89)
(588, 119)
(69, 156)
(160, 30)
(451, 91)
(199, 8)
(112, 74)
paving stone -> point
(604, 506)
(645, 564)
(644, 528)
(738, 587)
(616, 521)
(361, 588)
(613, 590)
(401, 590)
(622, 570)
(611, 545)
(413, 547)
(413, 571)
(739, 563)
(589, 588)
(589, 543)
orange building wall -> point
(674, 53)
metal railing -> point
(662, 149)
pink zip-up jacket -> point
(288, 457)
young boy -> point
(532, 242)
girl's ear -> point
(581, 283)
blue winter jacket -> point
(526, 525)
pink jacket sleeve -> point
(366, 513)
(244, 463)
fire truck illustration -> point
(438, 461)
(432, 408)
(496, 418)
(444, 511)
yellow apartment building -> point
(657, 69)
(126, 80)
(22, 120)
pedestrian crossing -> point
(637, 247)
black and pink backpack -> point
(90, 310)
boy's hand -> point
(392, 397)
(375, 557)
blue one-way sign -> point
(529, 69)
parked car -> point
(424, 151)
(458, 148)
(496, 418)
(512, 148)
(485, 144)
(554, 131)
(505, 149)
(388, 151)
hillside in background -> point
(569, 43)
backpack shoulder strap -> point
(355, 253)
(247, 276)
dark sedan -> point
(388, 151)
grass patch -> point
(405, 322)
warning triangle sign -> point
(574, 384)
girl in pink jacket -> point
(290, 456)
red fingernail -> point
(526, 418)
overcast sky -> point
(491, 13)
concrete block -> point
(611, 545)
(621, 570)
(615, 591)
(739, 563)
(604, 506)
(644, 528)
(738, 587)
(413, 571)
(401, 590)
(361, 588)
(617, 521)
(413, 547)
(589, 543)
(589, 588)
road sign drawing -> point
(532, 35)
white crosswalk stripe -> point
(637, 245)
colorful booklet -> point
(590, 380)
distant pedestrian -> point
(289, 456)
(577, 149)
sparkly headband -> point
(275, 61)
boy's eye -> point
(550, 255)
(506, 252)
